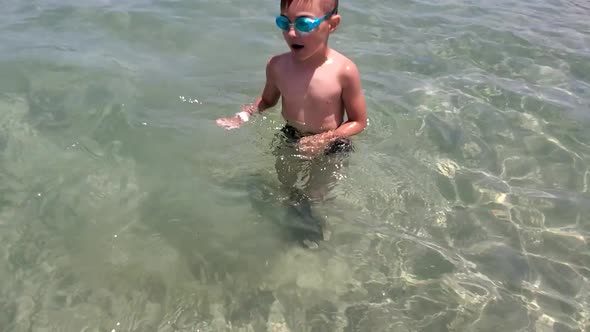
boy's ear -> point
(334, 21)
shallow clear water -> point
(123, 207)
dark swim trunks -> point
(340, 145)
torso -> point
(311, 97)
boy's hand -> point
(312, 146)
(237, 120)
(230, 123)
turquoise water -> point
(123, 207)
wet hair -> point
(326, 5)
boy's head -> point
(307, 24)
(325, 5)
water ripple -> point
(123, 208)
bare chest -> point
(311, 89)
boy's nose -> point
(292, 33)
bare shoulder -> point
(277, 61)
(347, 69)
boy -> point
(317, 87)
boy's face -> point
(303, 45)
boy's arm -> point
(356, 111)
(269, 98)
(354, 103)
(270, 94)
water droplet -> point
(118, 324)
(144, 123)
(115, 236)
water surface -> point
(123, 207)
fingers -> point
(227, 123)
(309, 150)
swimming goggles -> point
(302, 24)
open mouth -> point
(297, 46)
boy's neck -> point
(315, 60)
